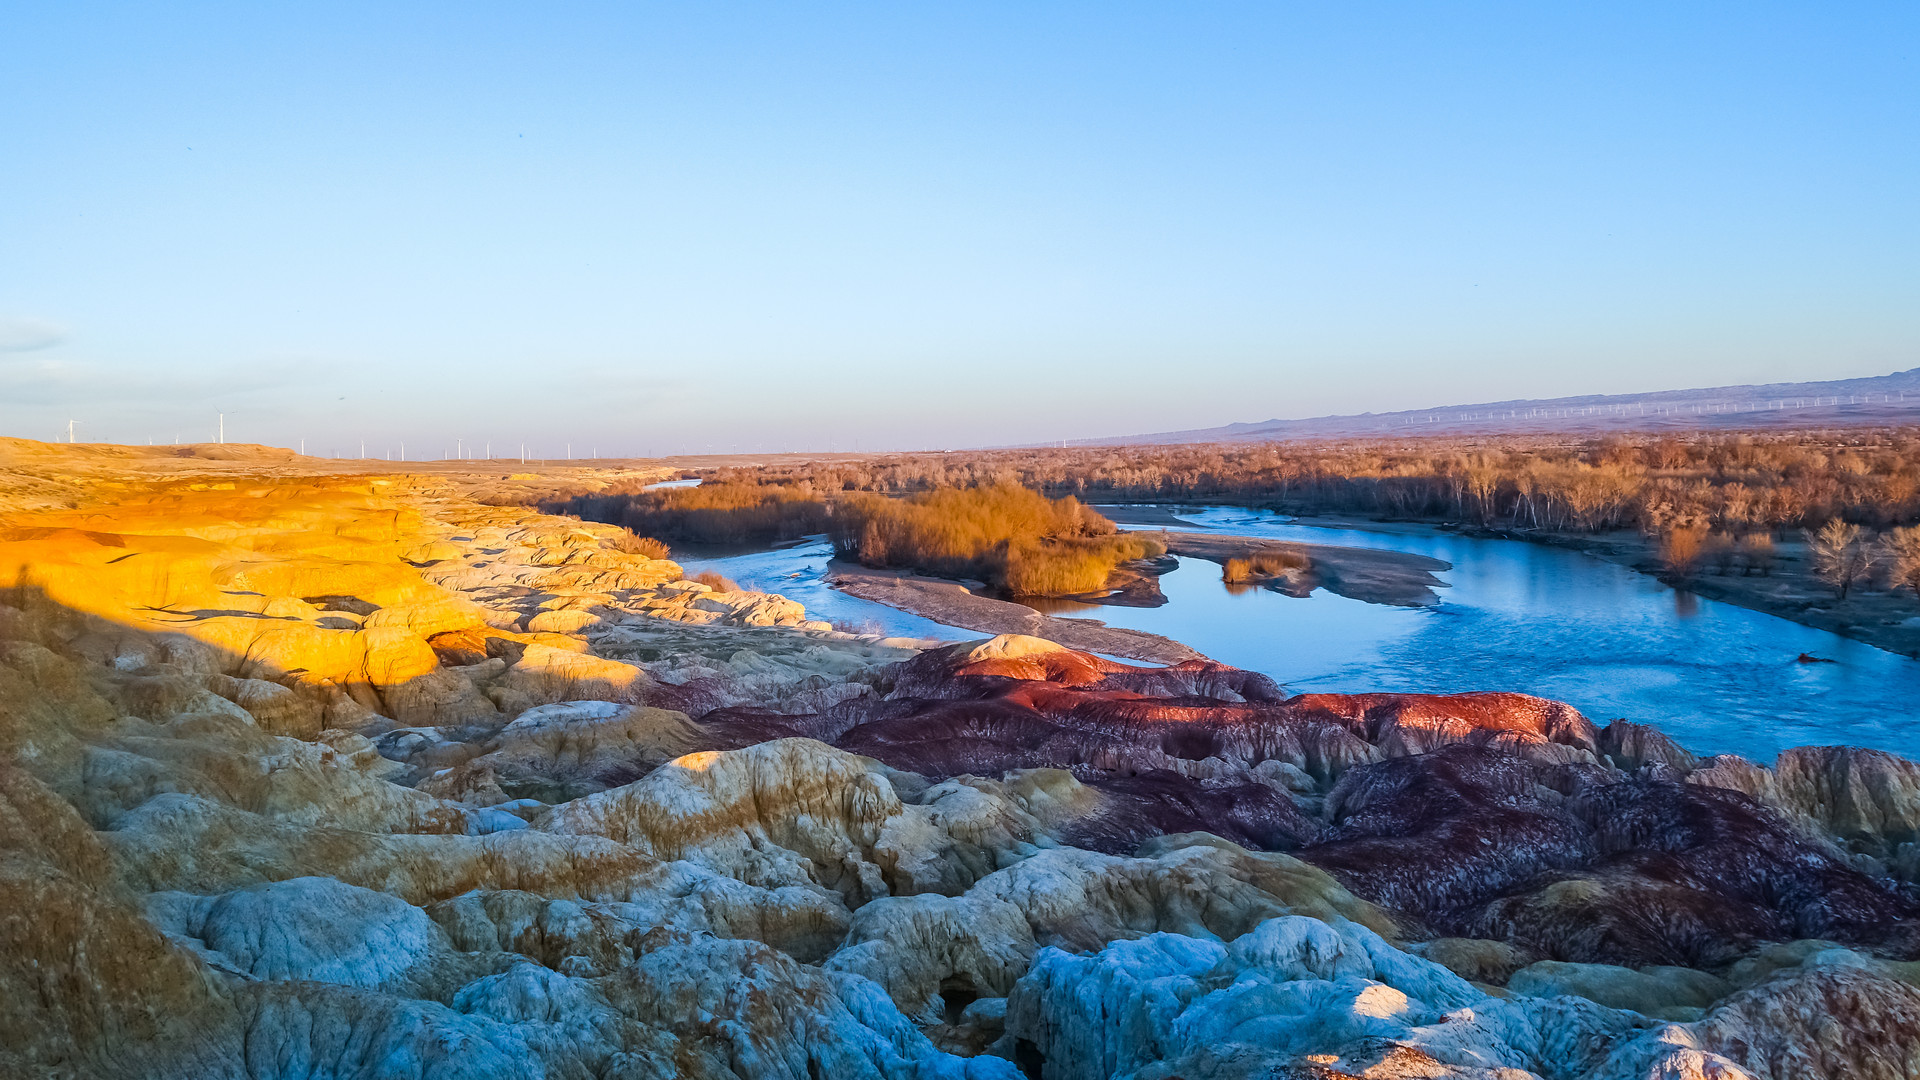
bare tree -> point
(1900, 554)
(1680, 548)
(1483, 479)
(1839, 556)
(1720, 550)
(1756, 550)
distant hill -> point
(1880, 399)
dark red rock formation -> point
(1588, 864)
(949, 673)
(1416, 723)
(1490, 815)
(1159, 803)
(945, 715)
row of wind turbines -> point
(461, 451)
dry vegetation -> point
(633, 543)
(1262, 566)
(715, 513)
(1008, 536)
(716, 581)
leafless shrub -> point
(1262, 566)
(634, 544)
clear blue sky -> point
(649, 228)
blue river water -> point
(799, 573)
(1515, 616)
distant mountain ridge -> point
(1874, 400)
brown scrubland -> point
(1731, 482)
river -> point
(1517, 616)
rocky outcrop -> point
(357, 779)
(796, 812)
(1300, 996)
(923, 947)
(1290, 994)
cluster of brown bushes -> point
(1011, 537)
(1008, 536)
(1687, 548)
(713, 513)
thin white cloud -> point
(46, 381)
(26, 335)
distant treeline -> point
(713, 513)
(1735, 483)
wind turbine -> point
(70, 424)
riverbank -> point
(1885, 619)
(1397, 578)
(951, 603)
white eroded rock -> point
(796, 812)
(1167, 1005)
(1078, 901)
(312, 928)
(574, 739)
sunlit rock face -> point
(447, 790)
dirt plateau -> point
(310, 774)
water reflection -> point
(1060, 605)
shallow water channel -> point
(1517, 616)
